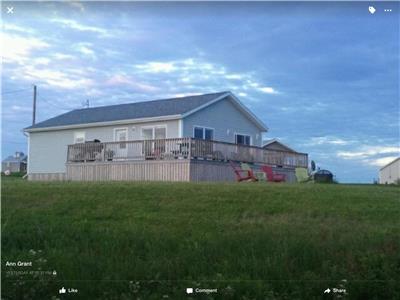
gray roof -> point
(137, 110)
(14, 159)
(266, 143)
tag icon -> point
(372, 9)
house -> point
(184, 139)
(390, 173)
(15, 163)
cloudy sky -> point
(323, 77)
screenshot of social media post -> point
(200, 150)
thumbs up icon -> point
(62, 290)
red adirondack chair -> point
(271, 176)
(242, 175)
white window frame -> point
(120, 128)
(78, 135)
(204, 131)
(153, 128)
(243, 134)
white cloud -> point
(80, 27)
(199, 75)
(380, 162)
(328, 140)
(84, 48)
(16, 28)
(368, 151)
(234, 76)
(62, 56)
(18, 108)
(376, 156)
(157, 67)
(19, 49)
(251, 84)
(41, 61)
(124, 80)
(66, 79)
(267, 90)
(183, 95)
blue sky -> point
(324, 77)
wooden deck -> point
(177, 170)
(181, 148)
(183, 159)
(129, 171)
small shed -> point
(275, 144)
(15, 163)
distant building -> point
(390, 173)
(15, 163)
(277, 145)
(283, 154)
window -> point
(203, 133)
(157, 132)
(160, 133)
(198, 133)
(79, 137)
(154, 148)
(121, 134)
(147, 133)
(242, 139)
(208, 134)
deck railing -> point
(181, 148)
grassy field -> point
(153, 240)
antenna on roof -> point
(34, 105)
(86, 104)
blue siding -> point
(226, 120)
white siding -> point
(48, 150)
(390, 173)
(226, 120)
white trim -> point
(204, 132)
(205, 105)
(29, 154)
(252, 116)
(180, 128)
(243, 134)
(97, 124)
(121, 128)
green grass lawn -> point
(152, 240)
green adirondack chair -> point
(258, 174)
(302, 175)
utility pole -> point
(34, 105)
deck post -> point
(190, 149)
